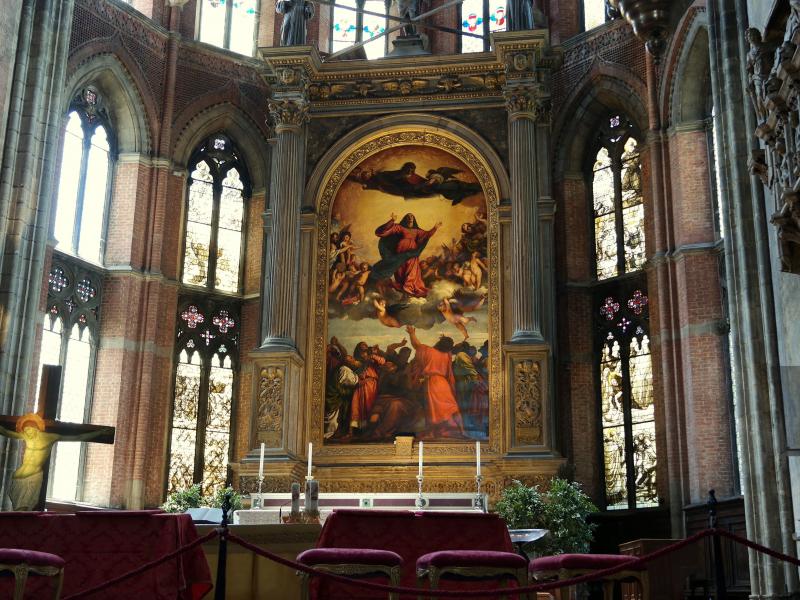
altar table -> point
(410, 534)
(100, 545)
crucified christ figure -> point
(27, 480)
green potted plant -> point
(192, 497)
(562, 510)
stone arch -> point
(242, 130)
(605, 90)
(688, 90)
(462, 132)
(122, 98)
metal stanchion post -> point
(716, 550)
(222, 558)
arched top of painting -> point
(446, 166)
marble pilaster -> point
(524, 107)
(282, 232)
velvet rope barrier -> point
(153, 563)
(758, 547)
(541, 587)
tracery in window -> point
(617, 201)
(85, 180)
(481, 17)
(69, 339)
(360, 21)
(229, 24)
(626, 399)
(215, 217)
(207, 346)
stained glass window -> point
(217, 188)
(207, 342)
(229, 24)
(479, 18)
(627, 412)
(617, 201)
(84, 184)
(357, 21)
(69, 339)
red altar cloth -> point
(100, 545)
(411, 535)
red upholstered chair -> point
(21, 563)
(351, 562)
(471, 564)
(565, 566)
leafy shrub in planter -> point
(180, 501)
(563, 510)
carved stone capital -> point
(288, 114)
(526, 102)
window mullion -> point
(360, 20)
(212, 243)
(226, 39)
(202, 415)
(626, 403)
(616, 167)
(486, 29)
(76, 230)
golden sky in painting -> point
(365, 210)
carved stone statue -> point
(295, 14)
(758, 67)
(520, 15)
(408, 9)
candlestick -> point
(419, 473)
(478, 457)
(310, 450)
(420, 501)
(257, 502)
(478, 503)
(261, 463)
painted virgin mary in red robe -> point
(400, 246)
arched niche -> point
(578, 124)
(353, 165)
(244, 133)
(690, 99)
(121, 98)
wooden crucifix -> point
(39, 432)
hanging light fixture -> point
(650, 21)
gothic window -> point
(229, 24)
(594, 13)
(481, 17)
(217, 187)
(69, 339)
(625, 370)
(205, 375)
(359, 21)
(617, 201)
(624, 365)
(85, 183)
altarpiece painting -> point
(407, 282)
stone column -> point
(282, 234)
(27, 189)
(526, 105)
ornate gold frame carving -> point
(393, 137)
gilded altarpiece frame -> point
(388, 453)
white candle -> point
(310, 450)
(478, 456)
(420, 459)
(261, 463)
